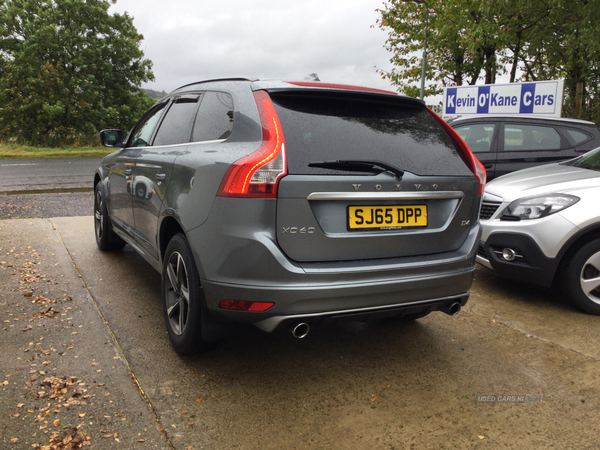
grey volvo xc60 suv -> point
(290, 203)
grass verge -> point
(8, 151)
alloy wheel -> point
(590, 278)
(98, 216)
(177, 293)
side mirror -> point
(111, 138)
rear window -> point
(477, 136)
(330, 127)
(576, 137)
(519, 137)
(215, 117)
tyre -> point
(581, 277)
(106, 239)
(182, 297)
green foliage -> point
(12, 151)
(471, 41)
(461, 43)
(68, 68)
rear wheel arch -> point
(170, 227)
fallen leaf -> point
(481, 437)
(56, 422)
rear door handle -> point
(488, 166)
(161, 176)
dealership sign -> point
(540, 98)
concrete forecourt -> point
(85, 361)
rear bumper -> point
(354, 301)
(240, 264)
(390, 289)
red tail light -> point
(257, 174)
(241, 305)
(473, 162)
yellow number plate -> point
(381, 217)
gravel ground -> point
(41, 206)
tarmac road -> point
(47, 174)
(44, 188)
(378, 385)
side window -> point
(530, 137)
(141, 135)
(215, 117)
(176, 126)
(576, 137)
(477, 136)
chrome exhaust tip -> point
(451, 309)
(300, 330)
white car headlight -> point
(537, 207)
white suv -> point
(542, 226)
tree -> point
(566, 46)
(462, 43)
(67, 69)
(474, 41)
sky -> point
(192, 40)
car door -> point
(121, 166)
(153, 169)
(527, 144)
(482, 139)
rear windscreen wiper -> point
(356, 165)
